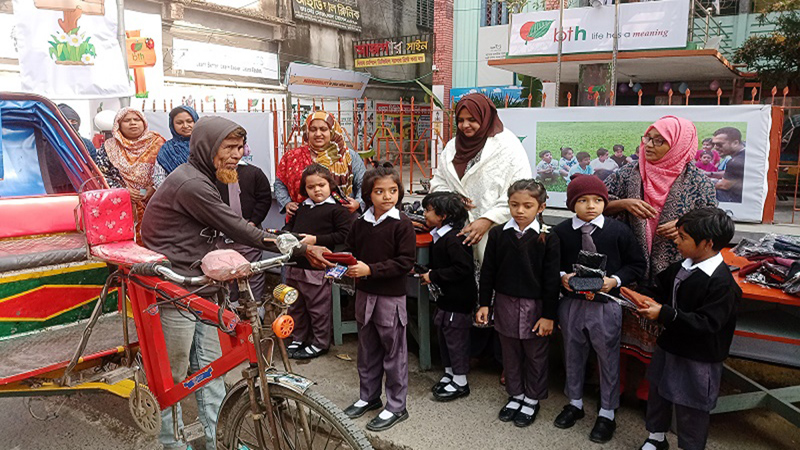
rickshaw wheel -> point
(146, 414)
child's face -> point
(618, 152)
(708, 145)
(691, 249)
(317, 188)
(524, 208)
(433, 220)
(705, 159)
(384, 195)
(603, 158)
(568, 154)
(584, 162)
(589, 207)
(547, 157)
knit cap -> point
(581, 185)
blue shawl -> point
(175, 151)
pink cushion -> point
(107, 216)
(125, 253)
(27, 216)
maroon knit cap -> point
(581, 185)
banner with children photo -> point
(732, 147)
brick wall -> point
(443, 58)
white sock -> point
(527, 409)
(449, 371)
(384, 415)
(460, 380)
(512, 404)
(656, 437)
(607, 413)
(295, 344)
(448, 375)
(360, 403)
(577, 403)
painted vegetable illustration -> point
(534, 30)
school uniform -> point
(330, 222)
(388, 246)
(522, 272)
(453, 269)
(597, 323)
(698, 313)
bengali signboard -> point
(645, 25)
(342, 14)
(317, 81)
(224, 60)
(392, 51)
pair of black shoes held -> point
(602, 431)
(442, 394)
(516, 415)
(376, 424)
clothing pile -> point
(775, 262)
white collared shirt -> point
(513, 224)
(598, 221)
(369, 216)
(438, 232)
(312, 203)
(708, 266)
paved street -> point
(102, 421)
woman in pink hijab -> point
(650, 195)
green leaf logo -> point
(138, 46)
(539, 29)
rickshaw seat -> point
(107, 219)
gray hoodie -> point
(186, 212)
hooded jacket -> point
(186, 213)
(71, 114)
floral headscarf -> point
(134, 158)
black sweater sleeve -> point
(342, 221)
(718, 306)
(488, 268)
(405, 253)
(551, 276)
(263, 197)
(634, 264)
(462, 265)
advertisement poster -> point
(742, 132)
(342, 14)
(392, 51)
(497, 94)
(317, 81)
(68, 49)
(224, 60)
(492, 44)
(646, 25)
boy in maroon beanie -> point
(592, 321)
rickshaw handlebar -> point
(162, 269)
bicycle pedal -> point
(193, 431)
(117, 375)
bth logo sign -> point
(535, 30)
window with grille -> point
(425, 14)
(494, 13)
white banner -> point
(587, 129)
(647, 25)
(224, 60)
(492, 44)
(68, 49)
(317, 81)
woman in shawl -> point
(176, 150)
(128, 159)
(650, 195)
(326, 146)
(480, 163)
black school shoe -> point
(659, 445)
(293, 348)
(354, 412)
(309, 353)
(443, 395)
(568, 416)
(441, 384)
(507, 414)
(378, 424)
(522, 420)
(603, 430)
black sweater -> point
(389, 249)
(329, 222)
(453, 270)
(701, 327)
(615, 240)
(526, 268)
(256, 195)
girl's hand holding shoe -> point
(608, 284)
(651, 311)
(426, 278)
(359, 270)
(543, 327)
(482, 316)
(565, 281)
